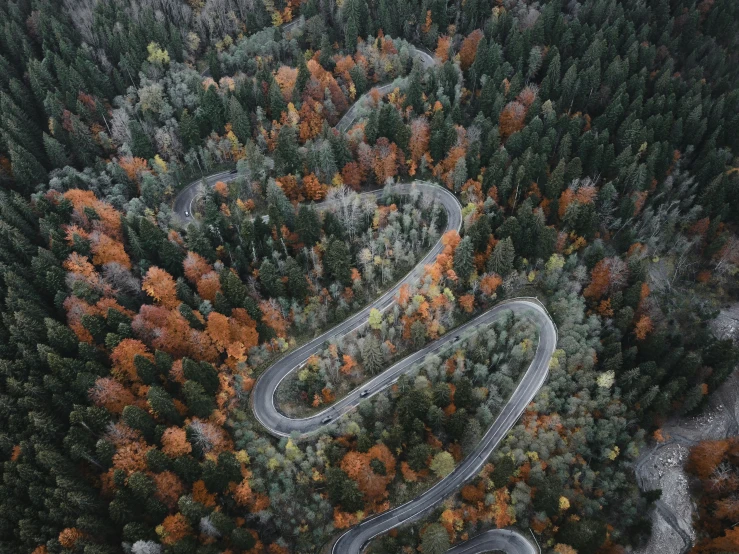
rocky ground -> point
(661, 465)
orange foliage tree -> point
(705, 457)
(511, 119)
(468, 50)
(442, 48)
(467, 303)
(420, 136)
(106, 250)
(109, 219)
(110, 394)
(358, 466)
(385, 160)
(123, 356)
(175, 443)
(608, 274)
(643, 327)
(68, 537)
(286, 77)
(312, 188)
(352, 175)
(490, 283)
(169, 488)
(160, 285)
(273, 318)
(174, 528)
(134, 167)
(195, 267)
(208, 285)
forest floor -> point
(662, 465)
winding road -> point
(355, 540)
(183, 203)
(427, 60)
(278, 424)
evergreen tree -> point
(372, 355)
(56, 152)
(296, 281)
(239, 120)
(308, 225)
(213, 113)
(277, 103)
(141, 146)
(189, 132)
(501, 260)
(286, 152)
(439, 129)
(351, 35)
(414, 95)
(27, 170)
(214, 65)
(302, 78)
(199, 402)
(338, 262)
(270, 279)
(326, 57)
(202, 373)
(435, 539)
(359, 78)
(464, 259)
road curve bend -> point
(183, 203)
(280, 425)
(358, 537)
(506, 540)
(263, 395)
(346, 121)
(266, 412)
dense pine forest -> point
(593, 147)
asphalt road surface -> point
(351, 114)
(496, 539)
(278, 424)
(183, 203)
(264, 390)
(356, 539)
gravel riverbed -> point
(662, 464)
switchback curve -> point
(356, 539)
(278, 424)
(183, 203)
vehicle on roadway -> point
(363, 393)
(326, 419)
(187, 214)
(456, 338)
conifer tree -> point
(213, 112)
(463, 259)
(277, 103)
(286, 152)
(302, 78)
(141, 146)
(27, 170)
(55, 151)
(189, 132)
(501, 260)
(239, 120)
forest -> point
(593, 147)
